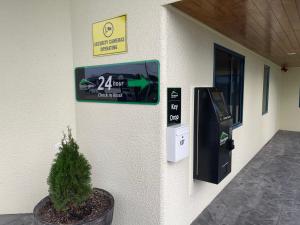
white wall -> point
(290, 111)
(122, 141)
(126, 144)
(189, 64)
(36, 96)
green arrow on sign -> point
(141, 82)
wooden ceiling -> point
(269, 27)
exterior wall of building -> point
(290, 110)
(36, 95)
(190, 50)
(122, 141)
(125, 143)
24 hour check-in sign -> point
(136, 82)
(109, 36)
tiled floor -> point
(265, 192)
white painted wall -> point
(189, 64)
(126, 144)
(36, 96)
(122, 142)
(290, 111)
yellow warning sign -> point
(109, 36)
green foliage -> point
(70, 176)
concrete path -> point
(265, 192)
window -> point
(229, 78)
(265, 101)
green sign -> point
(136, 82)
(223, 138)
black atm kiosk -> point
(212, 136)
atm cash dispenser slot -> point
(212, 136)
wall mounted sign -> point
(174, 106)
(136, 82)
(109, 36)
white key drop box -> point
(177, 142)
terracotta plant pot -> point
(105, 219)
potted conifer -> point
(72, 200)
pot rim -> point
(42, 201)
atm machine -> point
(212, 136)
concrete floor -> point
(20, 219)
(265, 192)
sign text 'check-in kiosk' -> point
(212, 136)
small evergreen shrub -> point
(70, 176)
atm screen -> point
(220, 105)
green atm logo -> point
(223, 138)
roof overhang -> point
(270, 28)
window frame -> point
(242, 66)
(266, 75)
(299, 97)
